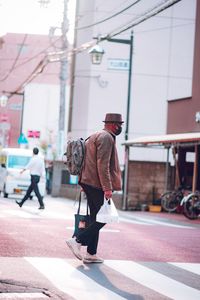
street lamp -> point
(96, 54)
(96, 57)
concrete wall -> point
(147, 182)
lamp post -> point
(96, 55)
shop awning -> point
(166, 140)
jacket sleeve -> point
(104, 144)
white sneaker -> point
(74, 247)
(88, 259)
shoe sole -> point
(92, 261)
(75, 254)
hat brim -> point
(121, 122)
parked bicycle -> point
(191, 205)
(171, 200)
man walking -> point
(100, 176)
(37, 169)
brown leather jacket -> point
(101, 166)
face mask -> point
(118, 130)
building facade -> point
(162, 68)
(163, 76)
(32, 85)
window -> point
(18, 162)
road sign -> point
(22, 139)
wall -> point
(182, 112)
(162, 70)
(146, 182)
(41, 112)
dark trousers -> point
(90, 236)
(34, 187)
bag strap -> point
(79, 205)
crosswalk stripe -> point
(155, 222)
(154, 280)
(33, 213)
(22, 295)
(191, 267)
(30, 212)
(102, 230)
(71, 281)
(20, 213)
(133, 221)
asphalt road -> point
(147, 255)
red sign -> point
(4, 118)
(33, 134)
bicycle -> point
(191, 205)
(171, 200)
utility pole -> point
(63, 78)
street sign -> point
(118, 64)
(22, 139)
(34, 134)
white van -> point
(12, 161)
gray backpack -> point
(75, 154)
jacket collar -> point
(109, 131)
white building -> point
(162, 67)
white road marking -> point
(191, 267)
(155, 222)
(30, 212)
(33, 213)
(154, 280)
(133, 221)
(20, 213)
(23, 296)
(102, 230)
(71, 281)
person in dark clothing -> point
(100, 176)
(37, 169)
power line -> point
(16, 59)
(38, 54)
(149, 14)
(40, 67)
(108, 18)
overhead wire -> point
(40, 67)
(149, 14)
(16, 59)
(36, 55)
(108, 18)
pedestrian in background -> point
(3, 174)
(100, 176)
(36, 167)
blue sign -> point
(73, 179)
(22, 139)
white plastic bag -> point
(107, 213)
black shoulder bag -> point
(81, 221)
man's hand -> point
(108, 194)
